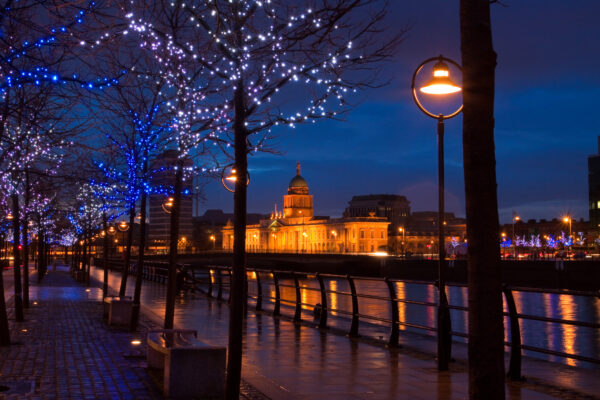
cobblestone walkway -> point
(65, 351)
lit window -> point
(598, 204)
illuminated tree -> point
(259, 65)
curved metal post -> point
(324, 308)
(354, 326)
(230, 273)
(394, 333)
(276, 308)
(514, 368)
(298, 312)
(219, 284)
(258, 292)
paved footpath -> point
(64, 349)
(287, 361)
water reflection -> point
(559, 337)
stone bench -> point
(117, 310)
(188, 367)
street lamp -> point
(401, 230)
(213, 239)
(334, 234)
(440, 85)
(568, 219)
(229, 177)
(515, 218)
(123, 226)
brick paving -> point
(64, 350)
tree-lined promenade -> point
(94, 92)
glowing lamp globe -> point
(232, 177)
(440, 83)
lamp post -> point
(334, 234)
(111, 231)
(401, 230)
(515, 218)
(440, 85)
(167, 206)
(568, 219)
(239, 178)
(213, 239)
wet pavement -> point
(284, 360)
(63, 350)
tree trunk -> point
(4, 331)
(238, 278)
(41, 254)
(486, 347)
(105, 255)
(25, 243)
(127, 261)
(17, 261)
(84, 251)
(174, 235)
(140, 265)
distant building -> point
(555, 227)
(594, 187)
(394, 208)
(297, 229)
(207, 228)
(159, 219)
(420, 234)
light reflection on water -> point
(558, 337)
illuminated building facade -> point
(297, 230)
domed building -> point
(297, 230)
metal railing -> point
(217, 278)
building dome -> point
(298, 185)
(298, 181)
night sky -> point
(547, 87)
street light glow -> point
(441, 83)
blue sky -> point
(547, 85)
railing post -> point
(219, 284)
(258, 292)
(514, 368)
(245, 301)
(210, 284)
(276, 308)
(323, 314)
(354, 326)
(394, 333)
(298, 312)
